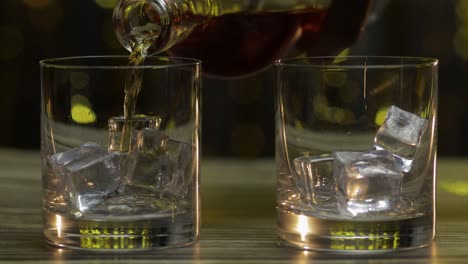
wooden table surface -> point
(238, 219)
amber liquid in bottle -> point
(237, 44)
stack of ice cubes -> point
(155, 169)
(363, 183)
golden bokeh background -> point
(238, 115)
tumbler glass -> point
(356, 141)
(115, 181)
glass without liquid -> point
(332, 105)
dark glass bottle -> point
(238, 37)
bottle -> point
(238, 37)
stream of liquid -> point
(132, 89)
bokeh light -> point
(455, 187)
(335, 78)
(340, 57)
(460, 40)
(325, 112)
(381, 115)
(79, 80)
(12, 42)
(247, 92)
(82, 114)
(106, 4)
(46, 19)
(81, 110)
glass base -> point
(145, 233)
(312, 233)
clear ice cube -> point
(159, 163)
(367, 182)
(116, 125)
(89, 173)
(147, 171)
(314, 179)
(421, 166)
(401, 134)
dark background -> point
(238, 116)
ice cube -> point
(181, 154)
(367, 182)
(314, 179)
(401, 134)
(116, 125)
(422, 165)
(159, 163)
(147, 171)
(90, 174)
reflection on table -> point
(238, 219)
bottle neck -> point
(156, 25)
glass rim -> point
(65, 62)
(384, 62)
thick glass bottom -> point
(312, 233)
(126, 234)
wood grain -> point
(238, 221)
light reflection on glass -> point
(58, 225)
(303, 227)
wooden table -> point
(238, 219)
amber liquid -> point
(132, 88)
(239, 44)
(243, 43)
